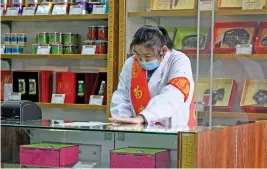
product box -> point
(254, 96)
(139, 158)
(101, 77)
(186, 40)
(227, 35)
(222, 96)
(35, 86)
(49, 155)
(84, 86)
(66, 84)
(6, 78)
(261, 40)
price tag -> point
(75, 10)
(205, 5)
(199, 106)
(59, 10)
(99, 9)
(244, 49)
(96, 100)
(1, 11)
(43, 50)
(88, 49)
(58, 98)
(12, 11)
(14, 96)
(27, 11)
(43, 10)
(252, 4)
(8, 88)
(3, 49)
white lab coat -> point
(167, 102)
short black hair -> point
(152, 37)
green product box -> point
(186, 38)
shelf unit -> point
(194, 13)
(111, 69)
(71, 56)
(71, 106)
(54, 17)
(261, 116)
(129, 21)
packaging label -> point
(1, 11)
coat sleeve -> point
(120, 103)
(170, 98)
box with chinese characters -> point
(261, 40)
(227, 35)
(48, 155)
(223, 93)
(254, 96)
(139, 158)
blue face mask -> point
(150, 65)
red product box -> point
(46, 83)
(6, 78)
(100, 77)
(225, 34)
(250, 94)
(261, 40)
(49, 155)
(66, 84)
(139, 158)
(225, 103)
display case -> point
(69, 144)
(226, 51)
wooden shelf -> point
(54, 17)
(33, 56)
(71, 106)
(231, 56)
(194, 13)
(236, 115)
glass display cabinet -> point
(225, 41)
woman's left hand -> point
(135, 120)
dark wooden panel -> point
(216, 148)
(251, 145)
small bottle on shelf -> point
(102, 88)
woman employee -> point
(156, 84)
